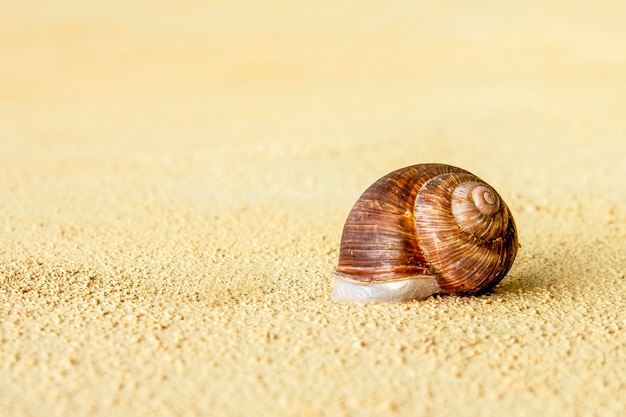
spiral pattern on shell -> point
(430, 219)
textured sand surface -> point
(174, 178)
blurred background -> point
(322, 89)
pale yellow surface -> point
(174, 177)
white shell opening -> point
(414, 288)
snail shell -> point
(422, 230)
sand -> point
(174, 178)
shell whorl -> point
(429, 220)
(466, 232)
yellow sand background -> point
(174, 177)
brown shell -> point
(430, 219)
